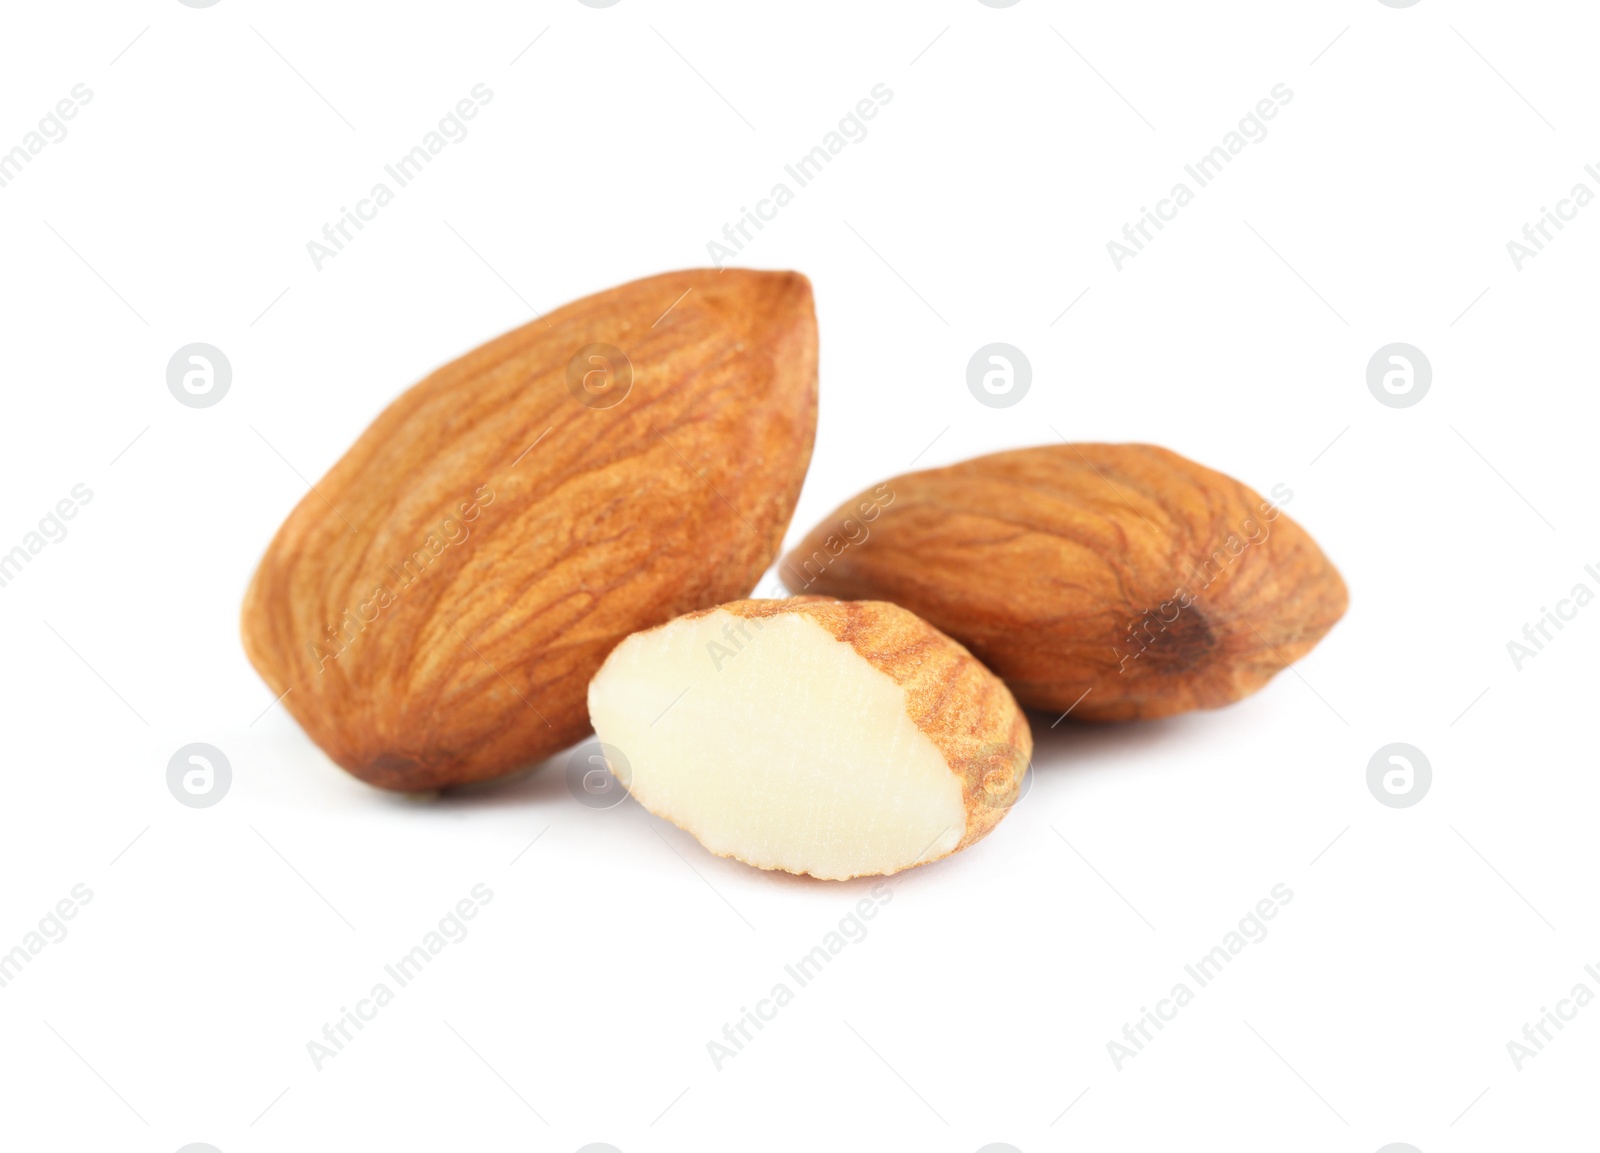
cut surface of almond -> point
(812, 736)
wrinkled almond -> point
(1115, 580)
(435, 607)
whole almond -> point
(1116, 581)
(433, 610)
(812, 735)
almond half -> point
(812, 735)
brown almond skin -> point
(961, 706)
(526, 565)
(1121, 581)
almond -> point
(1116, 580)
(434, 608)
(812, 735)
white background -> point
(978, 1009)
